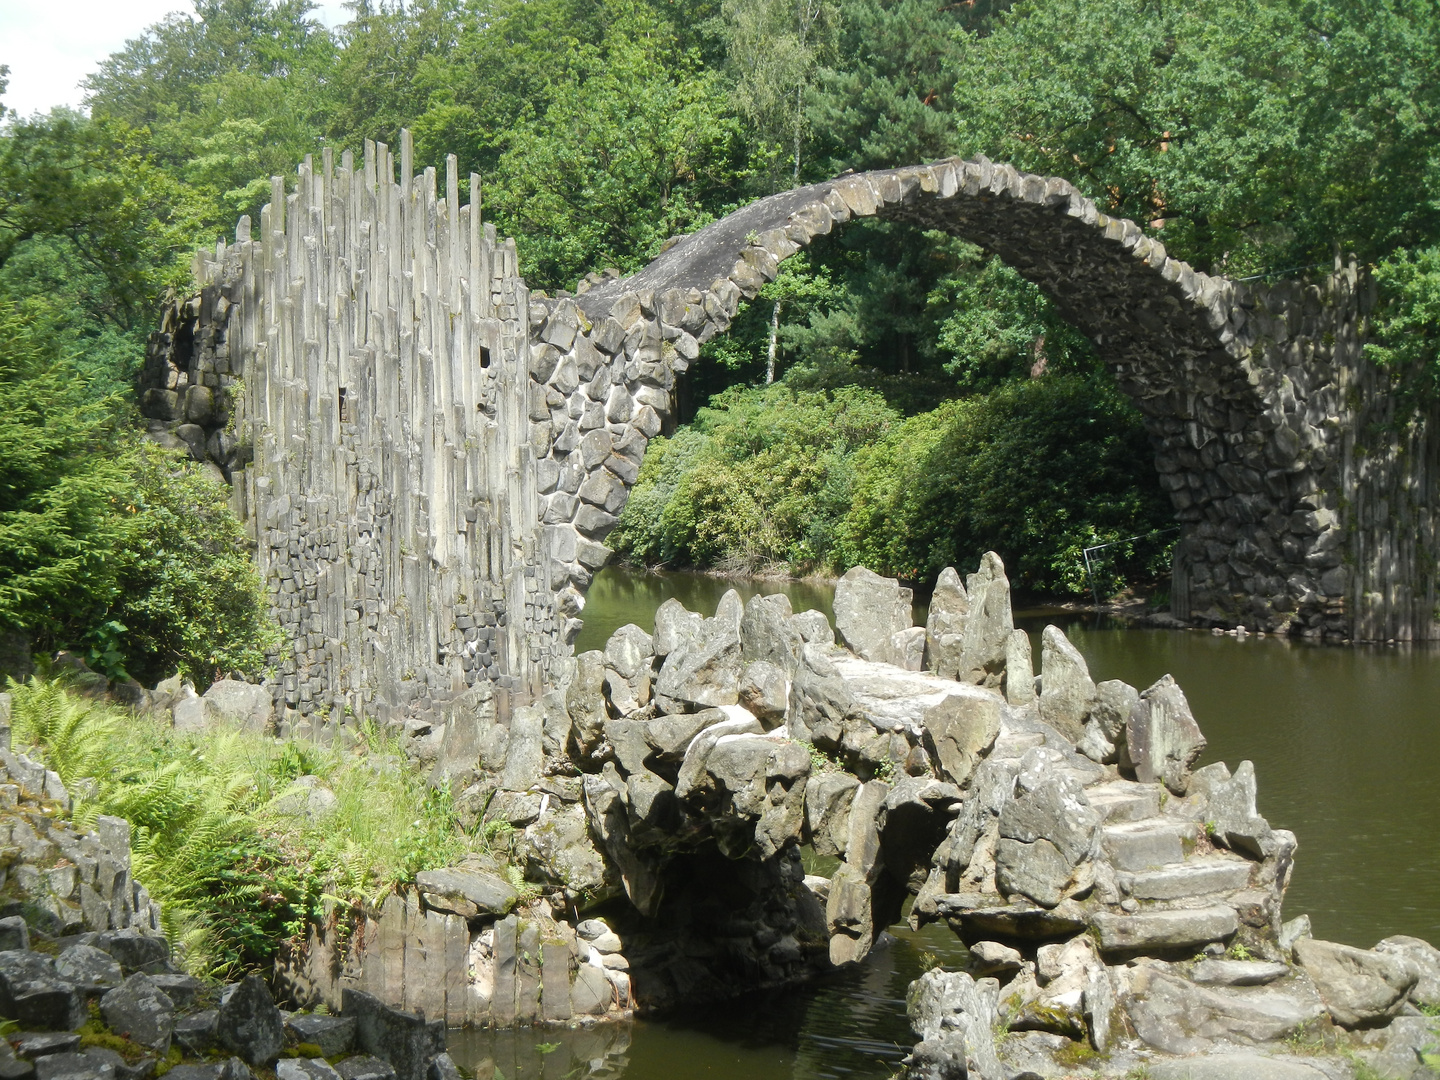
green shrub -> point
(760, 476)
(109, 545)
(1035, 470)
(237, 869)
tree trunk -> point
(774, 344)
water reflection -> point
(852, 1025)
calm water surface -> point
(1346, 746)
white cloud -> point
(51, 45)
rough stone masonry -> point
(430, 457)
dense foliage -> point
(1253, 138)
(108, 545)
(226, 839)
(814, 479)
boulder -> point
(951, 1009)
(992, 958)
(408, 1042)
(305, 1069)
(1019, 670)
(959, 730)
(988, 626)
(1161, 737)
(136, 951)
(524, 749)
(828, 796)
(241, 705)
(365, 1067)
(142, 1012)
(1360, 987)
(1230, 813)
(813, 627)
(88, 965)
(14, 934)
(768, 633)
(1067, 692)
(869, 611)
(1229, 1066)
(198, 1033)
(1178, 1017)
(1426, 960)
(467, 893)
(585, 701)
(1047, 831)
(755, 780)
(945, 624)
(1237, 972)
(609, 821)
(233, 1069)
(75, 1066)
(765, 692)
(1182, 928)
(307, 797)
(34, 995)
(907, 649)
(670, 736)
(557, 849)
(704, 671)
(37, 1044)
(248, 1023)
(628, 666)
(674, 625)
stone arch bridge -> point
(430, 456)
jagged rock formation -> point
(430, 457)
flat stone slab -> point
(1237, 972)
(1150, 843)
(1125, 800)
(895, 699)
(1198, 877)
(1030, 921)
(465, 892)
(1164, 929)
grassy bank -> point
(239, 854)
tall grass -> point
(220, 832)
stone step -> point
(1179, 929)
(1150, 842)
(1125, 800)
(1202, 876)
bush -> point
(761, 476)
(1035, 470)
(238, 874)
(109, 545)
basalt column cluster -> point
(359, 371)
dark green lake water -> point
(1346, 746)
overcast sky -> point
(50, 45)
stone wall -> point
(430, 457)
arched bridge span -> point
(430, 457)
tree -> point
(638, 148)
